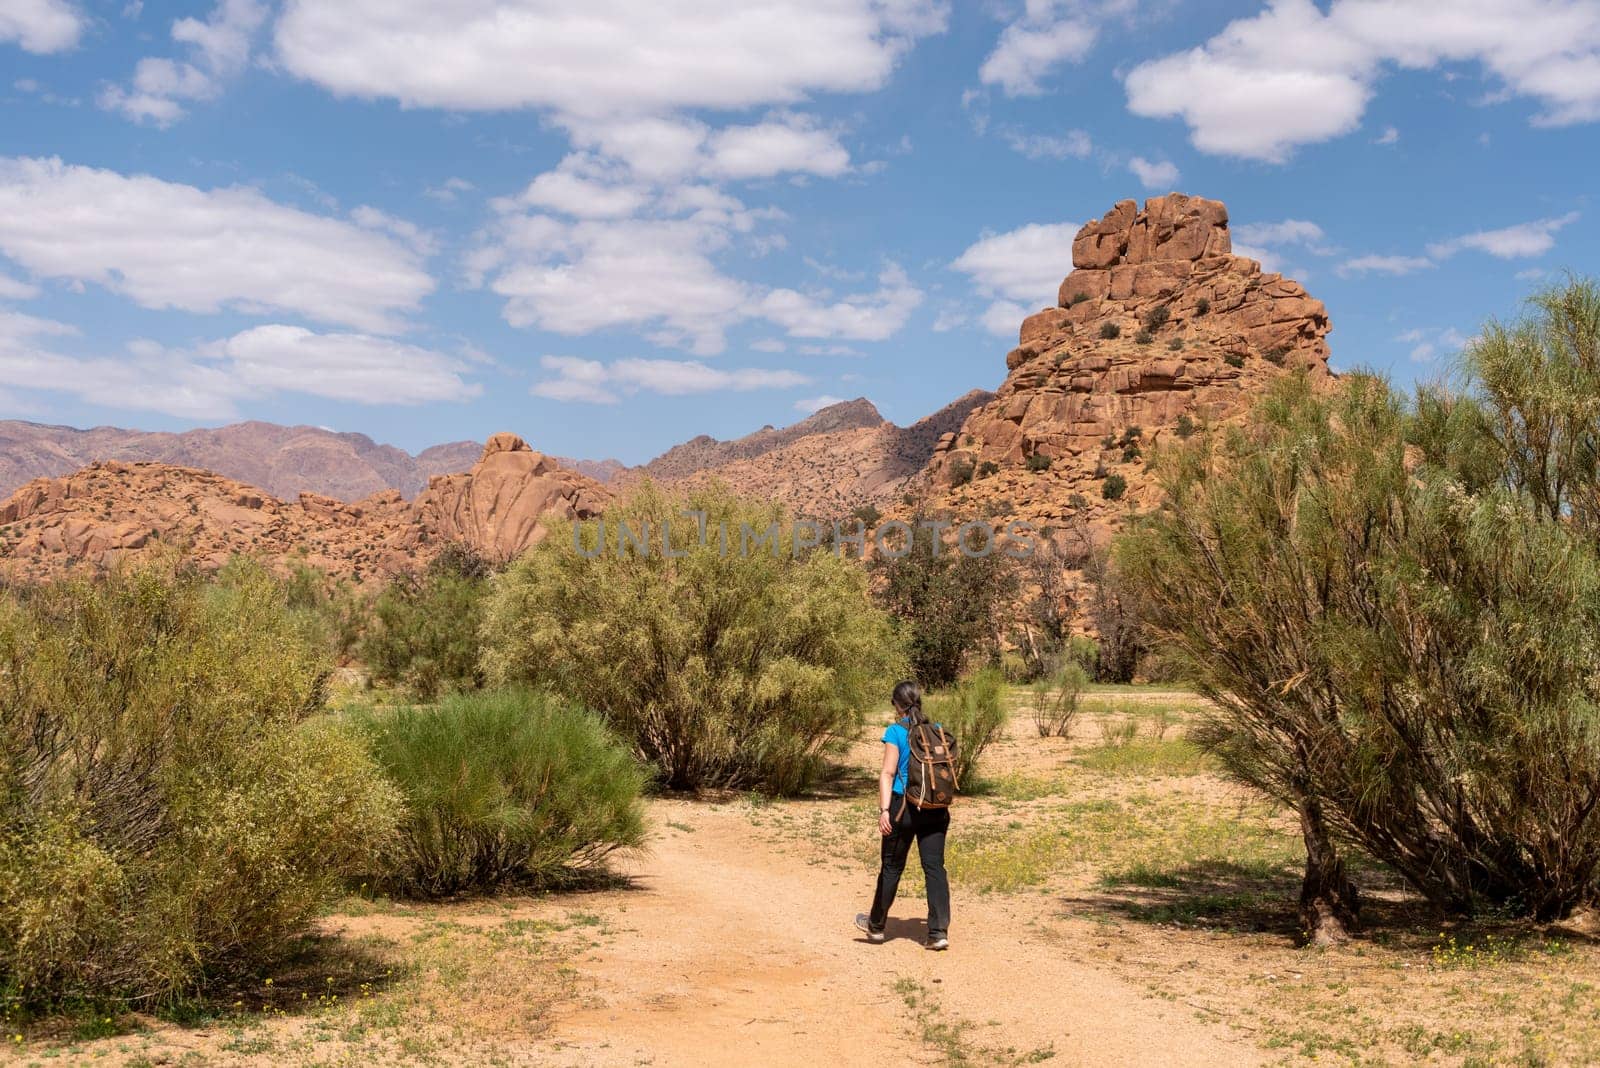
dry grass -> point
(395, 985)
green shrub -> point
(1014, 667)
(1233, 359)
(1157, 317)
(948, 605)
(1143, 337)
(1202, 306)
(1175, 344)
(961, 472)
(1110, 331)
(987, 468)
(1055, 699)
(507, 786)
(169, 813)
(425, 632)
(736, 668)
(1185, 426)
(1038, 462)
(1434, 567)
(1113, 487)
(975, 712)
(1276, 355)
(1078, 298)
(328, 611)
(1084, 651)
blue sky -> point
(612, 225)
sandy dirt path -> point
(728, 951)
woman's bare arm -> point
(891, 765)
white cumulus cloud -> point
(1284, 232)
(358, 368)
(167, 245)
(596, 382)
(1074, 144)
(16, 289)
(1510, 242)
(656, 271)
(41, 26)
(1295, 75)
(1025, 264)
(1158, 175)
(792, 145)
(211, 380)
(1028, 51)
(605, 57)
(219, 49)
(1394, 265)
(864, 317)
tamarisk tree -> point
(1396, 610)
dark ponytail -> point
(907, 700)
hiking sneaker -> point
(938, 942)
(866, 925)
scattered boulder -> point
(499, 507)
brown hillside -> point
(1216, 330)
(110, 509)
(704, 453)
(829, 473)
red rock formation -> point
(1158, 322)
(96, 515)
(499, 506)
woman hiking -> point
(899, 822)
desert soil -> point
(737, 954)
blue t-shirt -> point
(895, 734)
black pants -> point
(928, 827)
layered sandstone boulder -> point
(502, 506)
(1158, 326)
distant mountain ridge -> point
(800, 463)
(283, 460)
(703, 453)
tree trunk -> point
(1329, 905)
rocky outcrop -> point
(841, 458)
(501, 505)
(110, 509)
(1159, 326)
